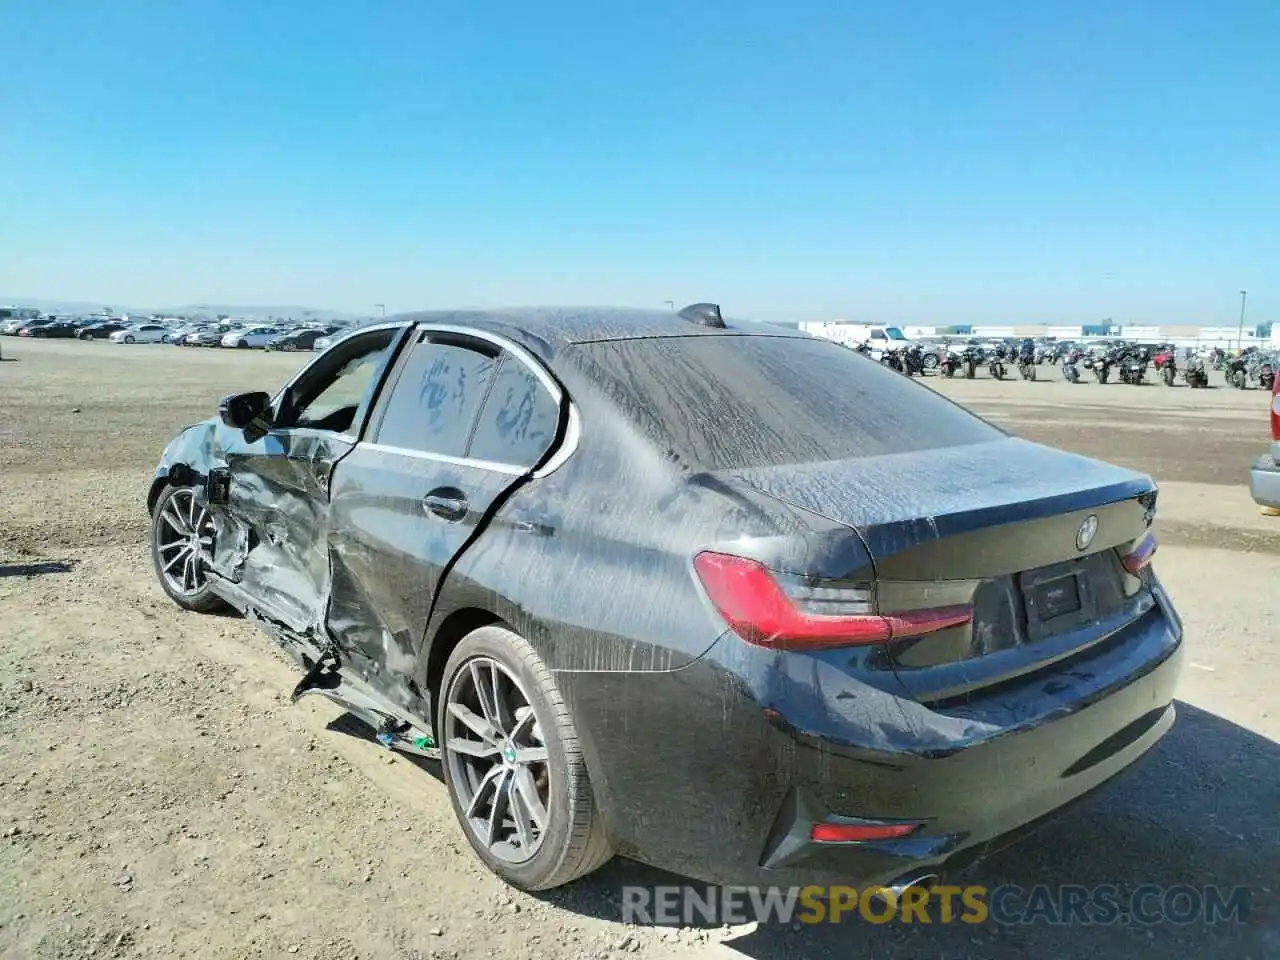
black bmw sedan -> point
(727, 599)
(300, 339)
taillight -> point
(1140, 557)
(860, 832)
(754, 603)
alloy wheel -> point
(497, 760)
(183, 540)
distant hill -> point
(57, 307)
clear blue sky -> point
(910, 162)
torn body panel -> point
(273, 529)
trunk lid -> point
(1029, 535)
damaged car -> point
(724, 598)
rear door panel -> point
(387, 553)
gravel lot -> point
(159, 797)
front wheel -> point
(130, 340)
(242, 345)
(288, 347)
(514, 766)
(182, 533)
(930, 362)
(1237, 379)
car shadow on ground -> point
(38, 569)
(1199, 810)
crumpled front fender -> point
(195, 447)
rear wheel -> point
(182, 533)
(514, 766)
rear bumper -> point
(718, 770)
(1264, 481)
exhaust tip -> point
(922, 881)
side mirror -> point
(240, 410)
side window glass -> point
(435, 400)
(877, 334)
(519, 419)
(331, 396)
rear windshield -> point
(732, 402)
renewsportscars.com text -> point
(1008, 905)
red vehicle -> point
(1264, 476)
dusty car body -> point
(748, 606)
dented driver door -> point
(273, 527)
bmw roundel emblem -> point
(1085, 535)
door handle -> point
(448, 503)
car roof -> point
(548, 330)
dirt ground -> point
(159, 797)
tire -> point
(1031, 373)
(931, 361)
(573, 842)
(130, 340)
(86, 336)
(242, 345)
(174, 501)
(1237, 380)
(288, 347)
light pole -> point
(670, 303)
(1240, 331)
(383, 308)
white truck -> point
(877, 336)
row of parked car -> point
(232, 334)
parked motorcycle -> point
(913, 360)
(1070, 370)
(951, 362)
(1195, 375)
(1237, 376)
(1027, 360)
(1261, 371)
(970, 359)
(1167, 366)
(1133, 369)
(996, 368)
(1101, 367)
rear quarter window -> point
(519, 419)
(734, 402)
